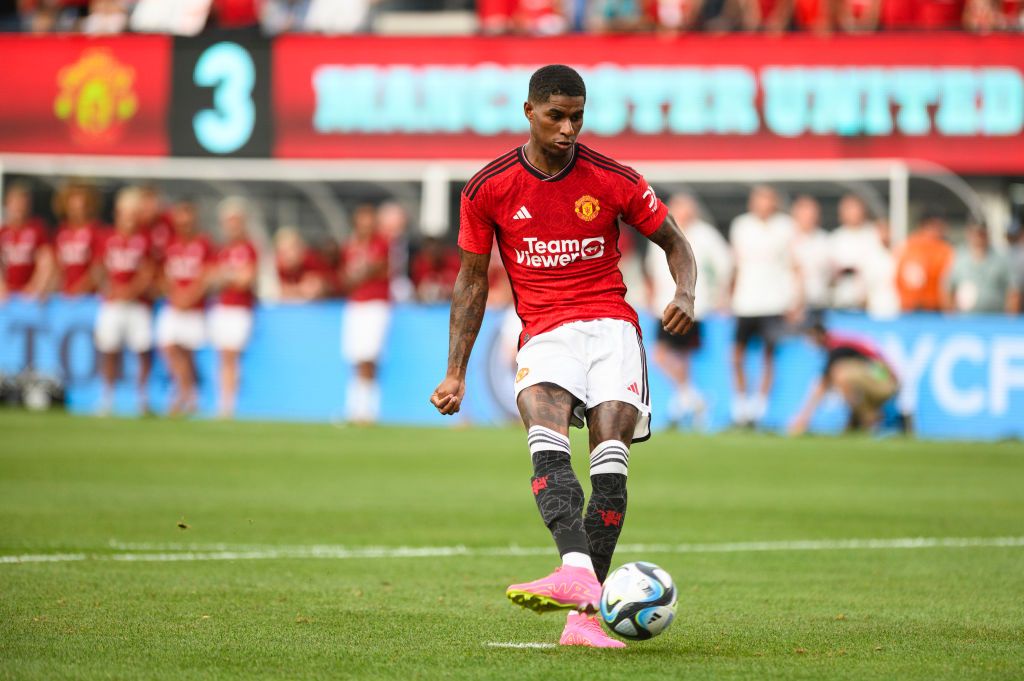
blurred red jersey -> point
(557, 234)
(18, 250)
(77, 249)
(356, 255)
(232, 258)
(122, 256)
(312, 263)
(185, 262)
(160, 233)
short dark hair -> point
(556, 79)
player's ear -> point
(528, 110)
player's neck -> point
(545, 161)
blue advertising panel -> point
(962, 377)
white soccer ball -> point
(638, 601)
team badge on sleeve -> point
(587, 207)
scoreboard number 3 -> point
(228, 68)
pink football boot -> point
(567, 587)
(585, 630)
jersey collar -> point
(540, 174)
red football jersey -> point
(236, 256)
(185, 261)
(122, 256)
(557, 234)
(77, 249)
(160, 233)
(359, 254)
(18, 250)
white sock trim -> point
(577, 559)
(543, 439)
(611, 456)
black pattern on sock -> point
(605, 515)
(559, 498)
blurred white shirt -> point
(714, 269)
(853, 247)
(765, 277)
(813, 256)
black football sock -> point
(558, 493)
(607, 509)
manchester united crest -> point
(96, 96)
(587, 207)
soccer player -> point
(231, 318)
(181, 325)
(365, 281)
(78, 239)
(554, 206)
(26, 258)
(125, 318)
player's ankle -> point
(578, 560)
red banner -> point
(79, 95)
(956, 100)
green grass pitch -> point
(259, 600)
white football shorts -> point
(230, 327)
(123, 324)
(186, 328)
(597, 361)
(364, 328)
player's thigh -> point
(612, 421)
(108, 334)
(547, 405)
(230, 327)
(139, 328)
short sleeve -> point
(476, 233)
(643, 209)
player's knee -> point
(610, 457)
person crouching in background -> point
(78, 238)
(365, 282)
(181, 325)
(857, 371)
(231, 317)
(125, 271)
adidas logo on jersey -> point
(522, 214)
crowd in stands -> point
(525, 17)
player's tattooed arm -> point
(468, 302)
(678, 315)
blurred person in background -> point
(766, 290)
(26, 257)
(540, 17)
(334, 17)
(231, 317)
(125, 272)
(855, 368)
(922, 264)
(181, 325)
(10, 15)
(812, 251)
(880, 271)
(106, 17)
(980, 280)
(858, 16)
(677, 16)
(302, 274)
(78, 238)
(155, 220)
(434, 270)
(282, 16)
(1016, 236)
(853, 245)
(768, 16)
(393, 225)
(365, 283)
(235, 14)
(622, 16)
(673, 353)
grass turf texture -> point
(70, 484)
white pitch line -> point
(512, 644)
(162, 553)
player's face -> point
(555, 123)
(851, 211)
(16, 206)
(233, 225)
(184, 217)
(126, 216)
